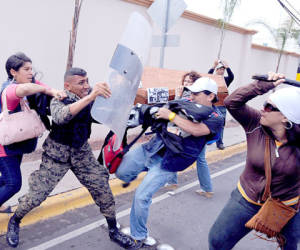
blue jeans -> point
(133, 163)
(229, 227)
(11, 179)
(223, 112)
(203, 172)
(174, 180)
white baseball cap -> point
(287, 100)
(203, 83)
(220, 65)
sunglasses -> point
(268, 107)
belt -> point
(290, 202)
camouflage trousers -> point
(86, 168)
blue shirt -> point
(191, 145)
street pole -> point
(164, 36)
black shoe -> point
(220, 146)
(12, 235)
(121, 239)
(7, 210)
(138, 244)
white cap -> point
(203, 83)
(220, 65)
(287, 100)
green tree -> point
(228, 7)
(281, 35)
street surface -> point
(181, 220)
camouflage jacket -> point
(69, 134)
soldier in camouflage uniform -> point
(66, 148)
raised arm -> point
(26, 89)
(62, 113)
(212, 69)
(236, 102)
(100, 89)
(230, 77)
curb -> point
(77, 198)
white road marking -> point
(87, 228)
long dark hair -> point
(293, 134)
(15, 62)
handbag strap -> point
(3, 100)
(23, 104)
(268, 173)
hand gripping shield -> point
(125, 71)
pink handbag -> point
(19, 126)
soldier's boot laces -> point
(122, 239)
(12, 235)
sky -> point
(246, 12)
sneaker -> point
(172, 186)
(205, 194)
(12, 235)
(149, 241)
(121, 239)
(6, 210)
(220, 146)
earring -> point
(290, 125)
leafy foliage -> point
(286, 31)
(228, 7)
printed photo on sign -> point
(157, 95)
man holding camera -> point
(219, 68)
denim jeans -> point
(133, 163)
(223, 111)
(11, 179)
(174, 180)
(203, 172)
(229, 227)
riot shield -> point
(125, 71)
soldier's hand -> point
(101, 89)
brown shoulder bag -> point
(273, 215)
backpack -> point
(111, 158)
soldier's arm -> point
(60, 112)
(100, 89)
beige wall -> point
(41, 30)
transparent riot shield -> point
(125, 71)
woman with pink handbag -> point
(18, 86)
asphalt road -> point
(181, 220)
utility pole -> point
(165, 13)
(164, 35)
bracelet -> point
(172, 116)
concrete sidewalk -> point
(69, 193)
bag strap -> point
(268, 173)
(23, 104)
(3, 100)
(126, 148)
